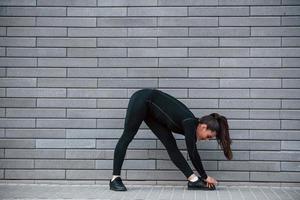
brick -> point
(35, 153)
(250, 42)
(67, 143)
(128, 62)
(17, 82)
(189, 62)
(135, 144)
(16, 163)
(15, 41)
(16, 123)
(65, 164)
(275, 155)
(34, 174)
(250, 83)
(17, 21)
(249, 21)
(219, 52)
(34, 112)
(126, 42)
(219, 93)
(279, 73)
(274, 52)
(290, 145)
(119, 83)
(2, 92)
(36, 72)
(36, 31)
(97, 32)
(66, 123)
(155, 32)
(18, 3)
(17, 102)
(67, 3)
(124, 22)
(275, 31)
(69, 21)
(187, 42)
(274, 134)
(274, 10)
(290, 103)
(66, 103)
(219, 31)
(257, 124)
(250, 62)
(218, 11)
(96, 52)
(187, 21)
(112, 103)
(290, 2)
(289, 114)
(97, 72)
(35, 92)
(290, 21)
(66, 42)
(36, 52)
(290, 83)
(290, 42)
(249, 166)
(186, 3)
(66, 82)
(264, 114)
(127, 3)
(189, 83)
(67, 62)
(274, 176)
(290, 62)
(2, 51)
(3, 31)
(99, 12)
(97, 93)
(157, 52)
(95, 113)
(35, 133)
(17, 143)
(290, 124)
(274, 93)
(216, 72)
(33, 11)
(157, 11)
(128, 164)
(88, 174)
(289, 166)
(247, 2)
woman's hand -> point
(210, 181)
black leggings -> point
(136, 113)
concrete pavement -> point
(145, 192)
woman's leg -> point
(136, 113)
(168, 140)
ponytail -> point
(218, 123)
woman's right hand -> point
(210, 181)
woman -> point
(164, 114)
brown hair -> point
(218, 123)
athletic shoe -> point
(200, 184)
(117, 184)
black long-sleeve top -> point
(179, 119)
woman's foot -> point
(117, 185)
(200, 184)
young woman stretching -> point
(164, 114)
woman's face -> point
(203, 133)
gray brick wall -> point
(69, 67)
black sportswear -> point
(163, 114)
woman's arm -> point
(189, 127)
